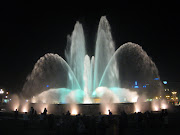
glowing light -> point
(137, 110)
(174, 93)
(164, 82)
(156, 78)
(135, 82)
(47, 86)
(33, 100)
(74, 112)
(106, 111)
(27, 100)
(87, 100)
(24, 109)
(137, 107)
(1, 91)
(136, 85)
(163, 106)
(148, 99)
(134, 99)
(44, 101)
(156, 108)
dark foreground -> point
(90, 125)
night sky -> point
(30, 30)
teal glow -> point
(164, 82)
(6, 100)
(76, 95)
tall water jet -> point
(87, 79)
(103, 52)
(90, 84)
(75, 53)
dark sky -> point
(30, 30)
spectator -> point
(68, 113)
(16, 114)
(110, 113)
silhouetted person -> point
(45, 112)
(16, 114)
(110, 113)
(68, 113)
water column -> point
(75, 53)
(86, 77)
(103, 52)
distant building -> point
(171, 91)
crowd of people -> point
(66, 124)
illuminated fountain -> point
(81, 78)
